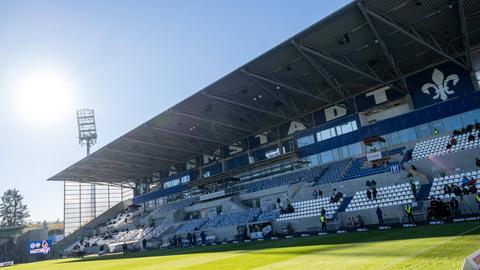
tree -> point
(12, 210)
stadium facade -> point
(402, 71)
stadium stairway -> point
(423, 192)
(344, 205)
(419, 215)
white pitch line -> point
(427, 249)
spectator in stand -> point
(447, 189)
(413, 187)
(449, 146)
(368, 184)
(472, 189)
(477, 125)
(469, 128)
(465, 181)
(369, 194)
(471, 138)
(144, 243)
(280, 206)
(315, 194)
(453, 141)
(322, 211)
(374, 183)
(380, 216)
(457, 190)
(477, 160)
(374, 193)
(454, 205)
(320, 193)
(334, 196)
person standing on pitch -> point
(380, 216)
(409, 212)
(323, 220)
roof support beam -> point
(75, 177)
(112, 169)
(413, 37)
(245, 116)
(339, 63)
(97, 174)
(148, 143)
(384, 47)
(199, 118)
(165, 130)
(332, 82)
(132, 164)
(253, 108)
(284, 85)
(465, 37)
(141, 155)
(278, 96)
(107, 170)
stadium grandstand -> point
(374, 107)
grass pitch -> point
(423, 247)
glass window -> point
(332, 132)
(347, 128)
(313, 159)
(185, 179)
(326, 156)
(407, 135)
(344, 152)
(394, 138)
(470, 117)
(324, 135)
(423, 131)
(306, 140)
(336, 154)
(452, 122)
(354, 125)
(355, 149)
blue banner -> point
(439, 84)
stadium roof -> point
(364, 45)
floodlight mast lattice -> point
(87, 131)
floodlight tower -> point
(87, 131)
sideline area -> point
(423, 247)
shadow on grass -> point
(336, 242)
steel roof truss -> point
(243, 105)
(414, 36)
(465, 37)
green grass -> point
(423, 247)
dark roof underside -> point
(362, 46)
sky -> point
(127, 60)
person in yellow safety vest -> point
(409, 212)
(323, 220)
(436, 132)
(477, 198)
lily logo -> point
(440, 85)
